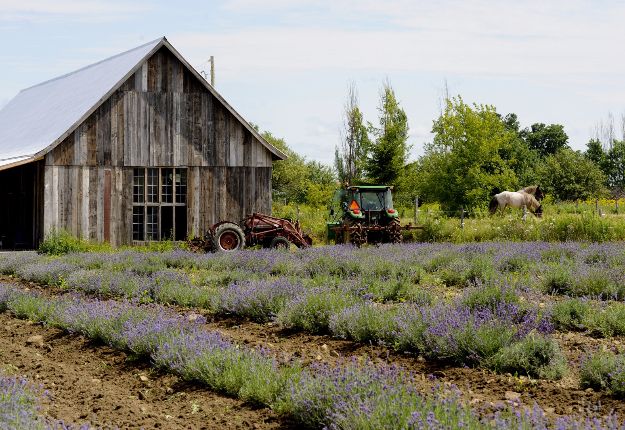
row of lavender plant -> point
(20, 407)
(168, 339)
(575, 269)
(346, 396)
(479, 330)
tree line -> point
(475, 152)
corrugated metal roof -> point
(38, 116)
(41, 116)
(5, 163)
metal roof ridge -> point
(155, 41)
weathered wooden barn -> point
(134, 148)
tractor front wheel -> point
(280, 242)
(228, 237)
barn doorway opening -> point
(20, 207)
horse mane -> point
(529, 190)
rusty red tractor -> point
(256, 229)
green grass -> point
(559, 223)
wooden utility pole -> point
(212, 61)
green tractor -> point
(364, 214)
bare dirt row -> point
(93, 383)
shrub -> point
(364, 322)
(312, 310)
(11, 262)
(20, 405)
(368, 397)
(461, 335)
(536, 356)
(384, 290)
(489, 296)
(570, 314)
(258, 300)
(46, 272)
(595, 370)
(609, 322)
(514, 263)
(174, 287)
(604, 371)
(62, 242)
(418, 295)
(558, 280)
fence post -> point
(462, 217)
(524, 212)
(616, 205)
(416, 210)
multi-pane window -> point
(159, 204)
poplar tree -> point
(350, 158)
(389, 152)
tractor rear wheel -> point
(394, 232)
(228, 237)
(357, 235)
(280, 242)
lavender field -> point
(543, 322)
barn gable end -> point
(163, 119)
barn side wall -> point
(75, 199)
(162, 116)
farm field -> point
(561, 221)
(482, 335)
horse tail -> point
(494, 204)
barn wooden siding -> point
(162, 116)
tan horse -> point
(515, 199)
(533, 190)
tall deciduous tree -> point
(466, 160)
(297, 180)
(615, 166)
(519, 156)
(569, 175)
(389, 152)
(350, 158)
(546, 139)
(595, 153)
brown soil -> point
(481, 388)
(95, 384)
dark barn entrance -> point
(20, 206)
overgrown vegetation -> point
(63, 242)
(492, 151)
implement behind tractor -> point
(255, 229)
(365, 214)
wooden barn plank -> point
(93, 203)
(126, 208)
(84, 196)
(48, 196)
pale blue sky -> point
(285, 65)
